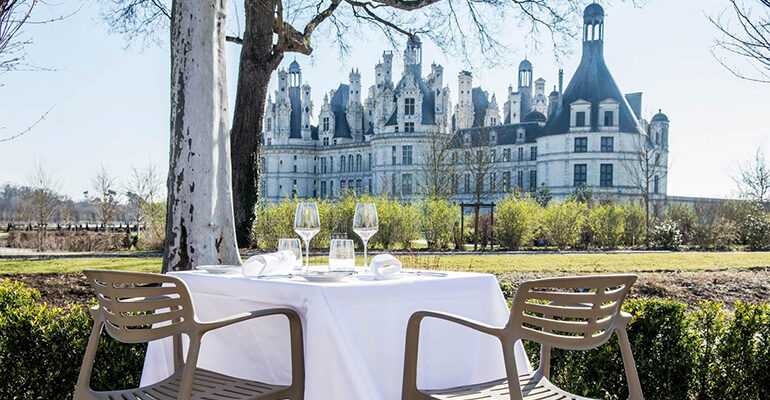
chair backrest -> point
(574, 313)
(140, 307)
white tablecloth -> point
(354, 332)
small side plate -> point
(323, 276)
(219, 269)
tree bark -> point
(199, 218)
(257, 63)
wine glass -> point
(342, 255)
(307, 224)
(365, 223)
(295, 247)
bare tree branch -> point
(753, 177)
(750, 39)
(29, 128)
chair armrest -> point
(625, 318)
(467, 322)
(204, 327)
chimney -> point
(561, 81)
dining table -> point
(354, 331)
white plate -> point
(322, 276)
(219, 269)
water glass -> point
(307, 224)
(342, 255)
(295, 247)
(365, 223)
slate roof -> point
(660, 117)
(592, 82)
(480, 104)
(338, 104)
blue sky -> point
(111, 103)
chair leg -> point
(297, 356)
(634, 386)
(84, 377)
(409, 385)
(512, 371)
(185, 386)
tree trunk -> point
(256, 65)
(199, 218)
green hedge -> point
(42, 347)
(707, 353)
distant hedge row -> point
(523, 222)
(704, 354)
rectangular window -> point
(506, 155)
(369, 185)
(406, 155)
(580, 175)
(408, 127)
(507, 180)
(656, 187)
(393, 151)
(521, 153)
(326, 124)
(467, 184)
(581, 144)
(608, 144)
(533, 153)
(492, 181)
(393, 184)
(331, 165)
(358, 186)
(406, 184)
(494, 155)
(409, 106)
(331, 188)
(609, 118)
(370, 161)
(350, 184)
(323, 189)
(520, 180)
(295, 168)
(323, 165)
(455, 184)
(605, 175)
(326, 141)
(533, 180)
(269, 124)
(342, 185)
(580, 118)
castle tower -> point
(383, 71)
(492, 116)
(282, 107)
(307, 111)
(464, 108)
(295, 74)
(525, 86)
(355, 110)
(539, 101)
(513, 106)
(659, 130)
(553, 102)
(413, 56)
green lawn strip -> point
(625, 262)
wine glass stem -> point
(307, 255)
(365, 246)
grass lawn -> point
(624, 262)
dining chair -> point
(138, 307)
(571, 313)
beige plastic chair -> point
(573, 313)
(139, 307)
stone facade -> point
(587, 134)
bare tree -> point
(43, 200)
(480, 160)
(276, 27)
(438, 167)
(753, 177)
(643, 165)
(106, 196)
(746, 34)
(143, 191)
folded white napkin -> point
(384, 265)
(278, 263)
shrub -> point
(68, 240)
(516, 222)
(274, 221)
(437, 219)
(607, 224)
(756, 228)
(713, 229)
(634, 225)
(42, 348)
(397, 223)
(684, 218)
(666, 236)
(563, 222)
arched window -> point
(359, 161)
(350, 163)
(342, 163)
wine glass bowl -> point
(365, 223)
(307, 224)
